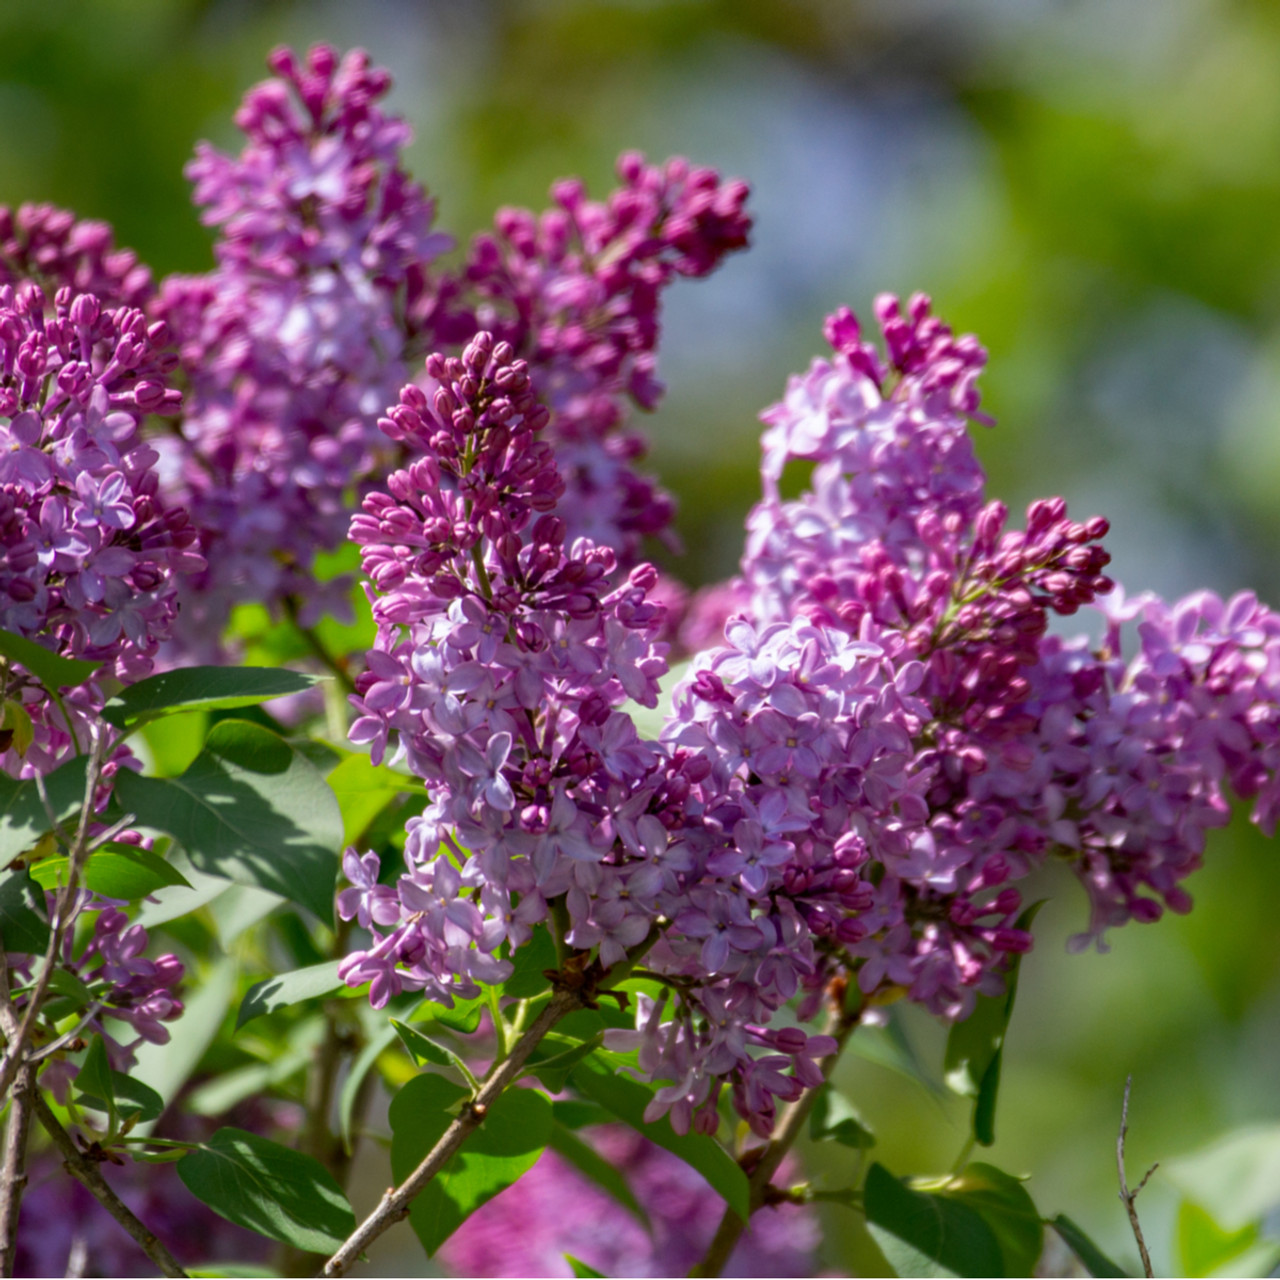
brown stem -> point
(13, 1174)
(1127, 1197)
(841, 1026)
(15, 1051)
(81, 1167)
(394, 1205)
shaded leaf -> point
(51, 669)
(464, 1016)
(289, 988)
(94, 1077)
(130, 1097)
(249, 808)
(360, 1068)
(23, 923)
(1007, 1208)
(835, 1119)
(1094, 1261)
(512, 1137)
(528, 965)
(122, 871)
(626, 1099)
(423, 1049)
(270, 1189)
(975, 1046)
(922, 1234)
(201, 689)
(556, 1056)
(23, 819)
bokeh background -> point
(1092, 187)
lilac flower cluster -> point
(504, 658)
(126, 986)
(55, 249)
(295, 342)
(577, 292)
(1007, 744)
(90, 555)
(525, 1232)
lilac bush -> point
(883, 728)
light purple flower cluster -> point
(126, 986)
(56, 250)
(577, 292)
(296, 342)
(525, 1231)
(90, 555)
(503, 662)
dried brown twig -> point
(1127, 1197)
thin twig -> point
(16, 1049)
(394, 1205)
(840, 1026)
(81, 1167)
(1127, 1197)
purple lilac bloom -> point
(90, 555)
(131, 988)
(294, 343)
(577, 292)
(52, 247)
(525, 1231)
(503, 661)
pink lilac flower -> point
(577, 292)
(294, 343)
(525, 1231)
(505, 655)
(91, 556)
(53, 248)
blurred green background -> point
(1091, 186)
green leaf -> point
(122, 871)
(52, 670)
(1007, 1209)
(240, 907)
(17, 722)
(130, 1097)
(888, 1046)
(232, 1270)
(975, 1046)
(580, 1268)
(360, 1068)
(1203, 1245)
(23, 923)
(528, 965)
(569, 1113)
(201, 689)
(423, 1049)
(363, 791)
(922, 1234)
(22, 815)
(1094, 1261)
(72, 986)
(252, 809)
(835, 1119)
(464, 1016)
(95, 1077)
(590, 1163)
(289, 988)
(600, 1081)
(508, 1143)
(270, 1189)
(1235, 1179)
(556, 1056)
